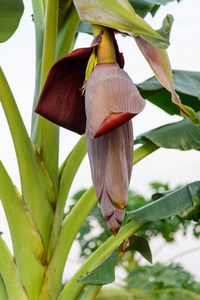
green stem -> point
(106, 49)
(3, 292)
(71, 226)
(28, 247)
(38, 15)
(91, 292)
(73, 288)
(143, 151)
(67, 173)
(46, 134)
(67, 32)
(9, 273)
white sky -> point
(17, 58)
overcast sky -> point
(17, 58)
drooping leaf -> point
(121, 16)
(186, 83)
(183, 202)
(182, 135)
(10, 15)
(160, 64)
(140, 244)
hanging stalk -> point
(144, 151)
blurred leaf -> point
(171, 136)
(159, 281)
(179, 202)
(153, 91)
(10, 15)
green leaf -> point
(182, 135)
(10, 15)
(9, 273)
(141, 245)
(121, 16)
(189, 93)
(104, 273)
(28, 247)
(142, 7)
(183, 202)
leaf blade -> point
(10, 15)
(178, 202)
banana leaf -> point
(142, 7)
(189, 93)
(182, 135)
(10, 15)
(184, 202)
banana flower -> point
(111, 160)
(104, 111)
(88, 92)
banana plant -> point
(72, 90)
